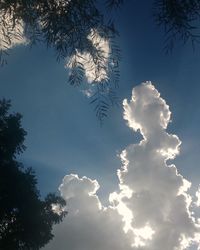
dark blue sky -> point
(64, 135)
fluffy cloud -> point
(152, 209)
(159, 193)
(88, 225)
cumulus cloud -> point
(159, 199)
(152, 208)
(10, 34)
(88, 225)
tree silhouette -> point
(76, 29)
(25, 219)
(180, 19)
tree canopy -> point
(26, 220)
(180, 20)
(83, 35)
(78, 31)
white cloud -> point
(92, 72)
(152, 209)
(10, 35)
(88, 225)
(159, 192)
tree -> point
(77, 30)
(180, 19)
(81, 33)
(26, 220)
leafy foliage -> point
(114, 3)
(66, 26)
(25, 220)
(104, 98)
(12, 135)
(180, 20)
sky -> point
(69, 149)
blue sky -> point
(63, 132)
(64, 135)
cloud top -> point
(146, 111)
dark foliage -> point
(12, 135)
(25, 219)
(65, 26)
(114, 3)
(180, 19)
